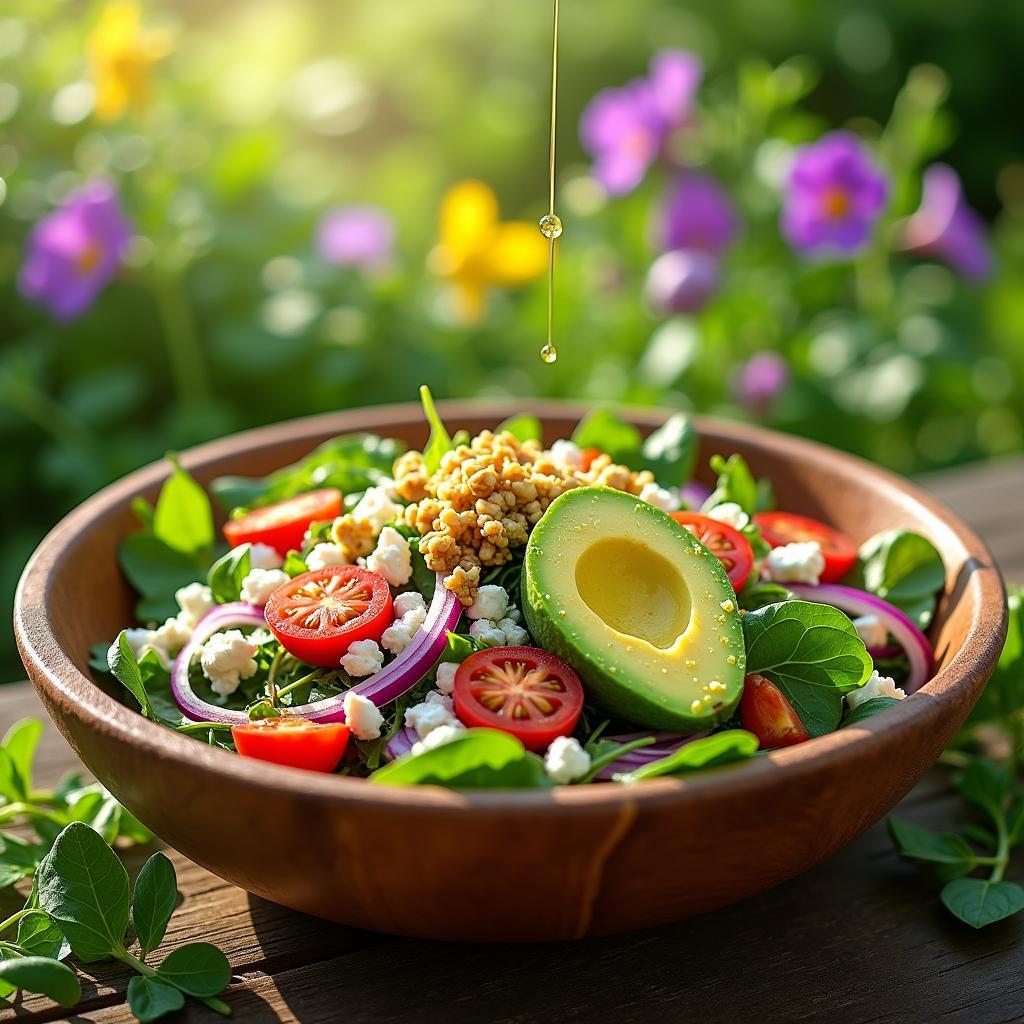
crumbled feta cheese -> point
(390, 488)
(491, 603)
(261, 636)
(263, 556)
(324, 555)
(399, 634)
(376, 508)
(659, 497)
(259, 584)
(408, 602)
(169, 638)
(487, 633)
(362, 716)
(729, 513)
(227, 659)
(565, 760)
(437, 697)
(876, 686)
(445, 681)
(567, 454)
(392, 558)
(195, 601)
(515, 635)
(363, 658)
(139, 640)
(427, 717)
(801, 562)
(438, 737)
(871, 631)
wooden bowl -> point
(504, 865)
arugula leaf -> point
(477, 759)
(41, 974)
(735, 484)
(156, 890)
(458, 648)
(710, 752)
(981, 901)
(604, 430)
(150, 998)
(125, 668)
(227, 573)
(869, 708)
(156, 571)
(199, 969)
(906, 570)
(523, 427)
(183, 519)
(20, 742)
(917, 843)
(439, 441)
(671, 451)
(812, 653)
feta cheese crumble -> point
(729, 513)
(392, 558)
(427, 717)
(263, 556)
(227, 659)
(411, 611)
(565, 760)
(195, 601)
(801, 562)
(362, 716)
(438, 737)
(567, 454)
(871, 631)
(326, 554)
(505, 632)
(659, 497)
(876, 686)
(445, 681)
(259, 584)
(363, 658)
(376, 508)
(491, 603)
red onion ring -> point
(382, 687)
(858, 602)
(694, 494)
(645, 755)
(879, 653)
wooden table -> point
(860, 938)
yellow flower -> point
(121, 55)
(477, 252)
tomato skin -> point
(587, 458)
(779, 528)
(293, 742)
(518, 678)
(725, 542)
(765, 711)
(347, 602)
(284, 524)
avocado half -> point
(642, 611)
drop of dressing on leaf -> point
(550, 224)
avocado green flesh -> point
(641, 610)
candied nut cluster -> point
(482, 502)
(356, 537)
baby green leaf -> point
(760, 593)
(156, 570)
(670, 452)
(439, 441)
(812, 653)
(710, 752)
(477, 759)
(869, 708)
(523, 427)
(40, 974)
(149, 998)
(84, 888)
(125, 667)
(735, 484)
(20, 743)
(38, 935)
(153, 901)
(227, 573)
(978, 901)
(917, 843)
(198, 969)
(604, 430)
(904, 569)
(11, 787)
(985, 785)
(183, 519)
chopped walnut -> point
(356, 537)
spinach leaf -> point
(812, 653)
(710, 752)
(1004, 694)
(761, 593)
(199, 969)
(869, 708)
(156, 570)
(671, 451)
(477, 759)
(439, 441)
(904, 569)
(40, 936)
(183, 519)
(41, 974)
(604, 430)
(523, 427)
(917, 843)
(294, 564)
(150, 998)
(458, 648)
(423, 579)
(125, 668)
(980, 901)
(156, 890)
(227, 573)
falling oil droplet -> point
(549, 353)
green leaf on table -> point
(986, 785)
(156, 570)
(150, 998)
(476, 759)
(710, 752)
(735, 484)
(671, 451)
(40, 936)
(916, 843)
(199, 969)
(1004, 694)
(183, 519)
(21, 742)
(40, 974)
(979, 901)
(156, 890)
(604, 430)
(84, 888)
(906, 570)
(812, 653)
(869, 708)
(227, 573)
(124, 666)
(439, 442)
(523, 427)
(11, 787)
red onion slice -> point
(694, 493)
(858, 602)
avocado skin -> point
(615, 693)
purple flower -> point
(835, 194)
(682, 281)
(698, 214)
(72, 253)
(625, 129)
(946, 228)
(356, 236)
(760, 379)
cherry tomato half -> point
(779, 528)
(765, 711)
(727, 544)
(293, 741)
(317, 615)
(524, 691)
(284, 524)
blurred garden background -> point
(218, 215)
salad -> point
(493, 613)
